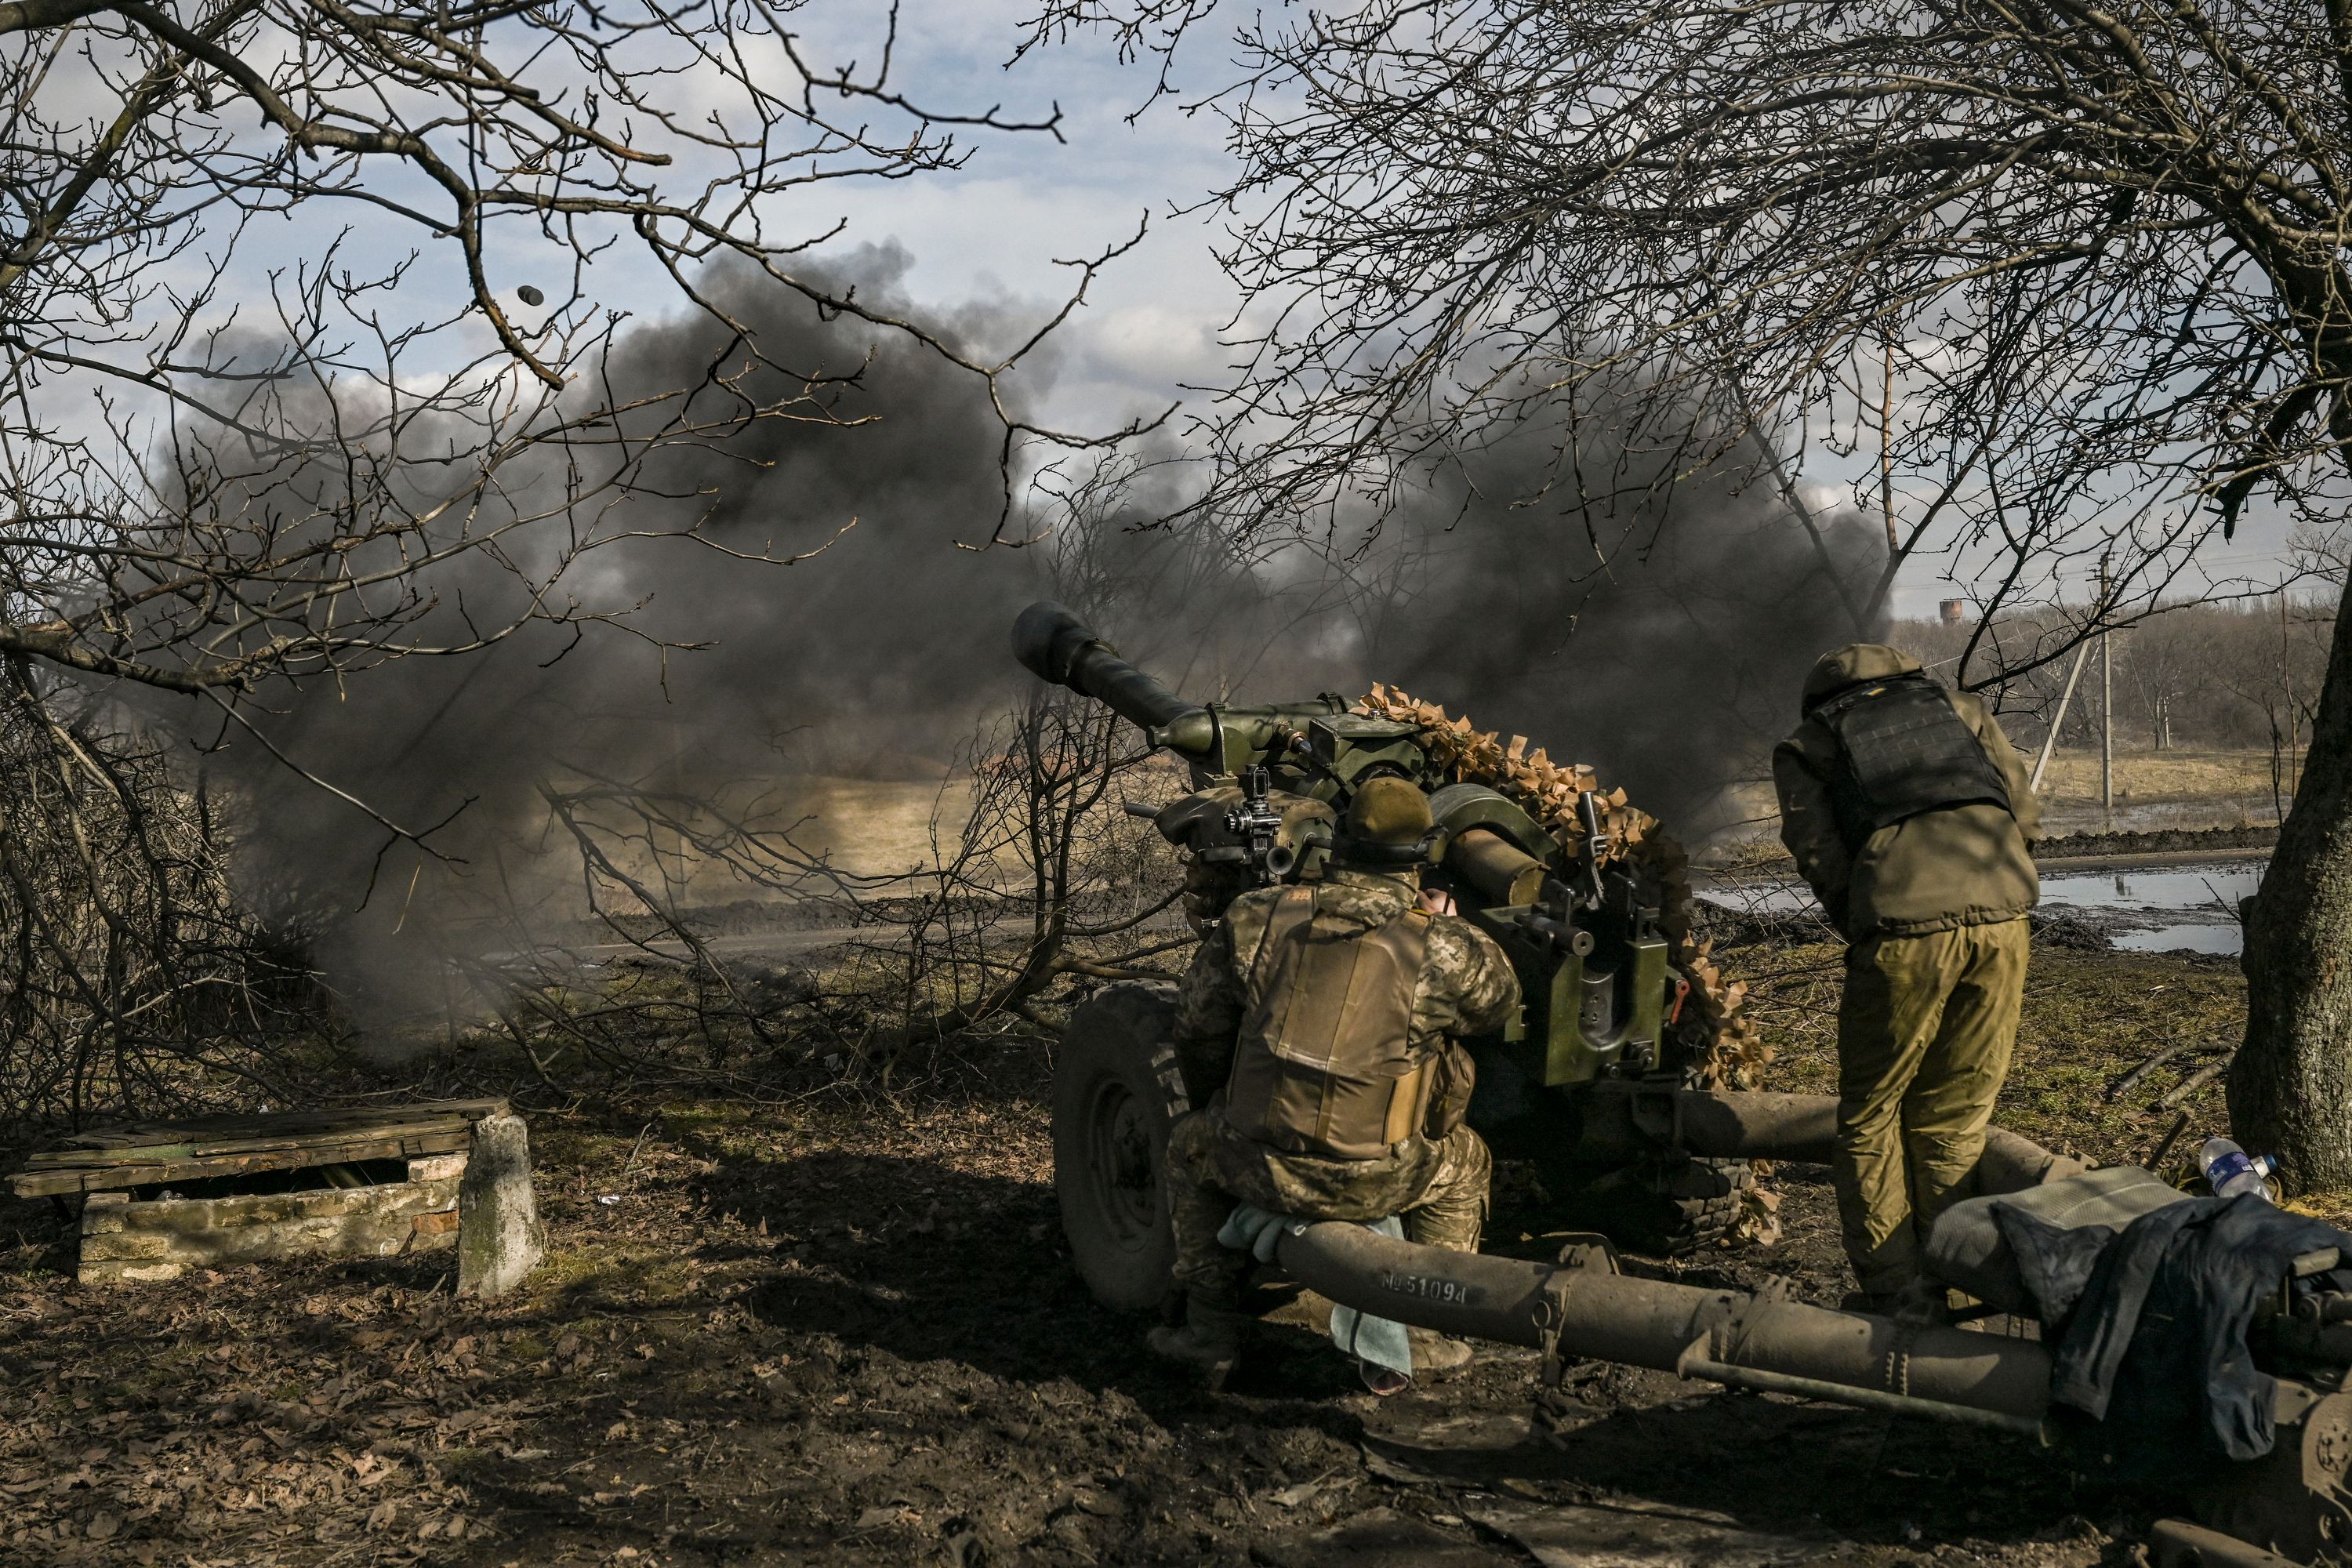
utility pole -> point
(2106, 709)
(2058, 721)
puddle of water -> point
(2216, 888)
(2225, 939)
(2210, 894)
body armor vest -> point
(1904, 749)
(1321, 1065)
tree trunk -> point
(2291, 1086)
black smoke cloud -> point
(1661, 646)
(1661, 637)
(867, 659)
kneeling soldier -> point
(1330, 1015)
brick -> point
(126, 1243)
(435, 1167)
(434, 1224)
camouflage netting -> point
(1725, 1044)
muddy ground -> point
(842, 1327)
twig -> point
(2164, 1145)
(2131, 1079)
(2195, 1081)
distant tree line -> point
(2244, 675)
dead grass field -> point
(2174, 775)
(877, 827)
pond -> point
(2154, 909)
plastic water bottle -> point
(2230, 1169)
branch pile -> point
(1731, 1055)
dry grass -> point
(877, 827)
(2089, 1018)
(2146, 777)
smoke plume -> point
(1662, 644)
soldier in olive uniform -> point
(1328, 1014)
(1911, 814)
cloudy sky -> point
(993, 230)
(1025, 201)
(996, 227)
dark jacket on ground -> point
(2155, 1348)
(1955, 866)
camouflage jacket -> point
(1467, 986)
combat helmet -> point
(1388, 828)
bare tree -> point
(306, 310)
(132, 973)
(2104, 242)
(237, 455)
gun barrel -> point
(1056, 645)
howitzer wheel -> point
(1668, 1206)
(1117, 1092)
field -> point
(833, 1326)
(2163, 776)
(2154, 791)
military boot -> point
(1434, 1354)
(1210, 1342)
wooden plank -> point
(193, 1144)
(138, 1154)
(107, 1177)
(238, 1134)
(216, 1147)
(312, 1152)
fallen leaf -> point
(1291, 1496)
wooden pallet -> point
(138, 1154)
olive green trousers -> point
(1439, 1189)
(1924, 1034)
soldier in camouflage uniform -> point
(1913, 818)
(1318, 1029)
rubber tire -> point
(1670, 1207)
(1116, 1092)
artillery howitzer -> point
(2291, 1506)
(1595, 1084)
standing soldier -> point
(1329, 1016)
(1910, 814)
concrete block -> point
(499, 1237)
(354, 1222)
(435, 1167)
(116, 1245)
(187, 1214)
(103, 1212)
